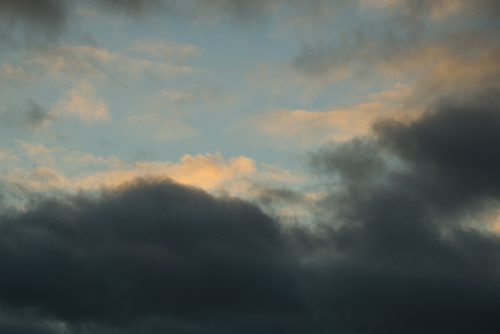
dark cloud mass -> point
(458, 146)
(400, 255)
(152, 249)
(407, 193)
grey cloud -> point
(164, 250)
(32, 118)
(156, 256)
(403, 39)
(238, 13)
(235, 7)
(398, 256)
(238, 9)
(422, 9)
(35, 117)
(406, 199)
(48, 17)
(407, 185)
(51, 17)
(135, 8)
(46, 20)
(358, 52)
(456, 147)
(278, 195)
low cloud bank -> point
(411, 246)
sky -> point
(249, 166)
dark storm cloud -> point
(399, 254)
(403, 207)
(147, 250)
(456, 147)
(410, 185)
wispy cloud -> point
(83, 102)
(166, 50)
(68, 62)
(306, 128)
(54, 171)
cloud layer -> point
(393, 228)
(404, 245)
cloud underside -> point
(410, 245)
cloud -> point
(403, 40)
(33, 118)
(401, 251)
(83, 62)
(135, 8)
(162, 115)
(306, 128)
(166, 50)
(48, 19)
(404, 239)
(191, 241)
(433, 73)
(55, 171)
(35, 17)
(436, 10)
(82, 101)
(36, 117)
(421, 179)
(236, 11)
(386, 48)
(163, 112)
(411, 198)
(459, 76)
(364, 54)
(456, 144)
(399, 233)
(14, 75)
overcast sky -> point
(249, 166)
